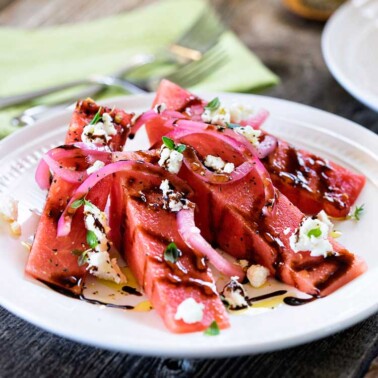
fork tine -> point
(202, 36)
(197, 71)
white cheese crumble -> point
(218, 164)
(240, 112)
(9, 212)
(159, 108)
(235, 113)
(170, 159)
(99, 133)
(249, 133)
(99, 262)
(235, 295)
(257, 275)
(220, 116)
(317, 244)
(174, 201)
(98, 164)
(190, 311)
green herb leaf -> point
(315, 232)
(97, 117)
(172, 253)
(168, 142)
(214, 104)
(83, 258)
(213, 329)
(232, 125)
(356, 214)
(76, 204)
(88, 203)
(180, 148)
(92, 239)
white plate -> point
(350, 49)
(144, 333)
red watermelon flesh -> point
(310, 182)
(238, 225)
(51, 259)
(149, 230)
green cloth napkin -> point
(36, 58)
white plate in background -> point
(144, 333)
(350, 49)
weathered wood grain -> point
(290, 46)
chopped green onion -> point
(214, 104)
(213, 329)
(315, 232)
(92, 239)
(172, 253)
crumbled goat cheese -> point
(174, 201)
(223, 115)
(249, 133)
(189, 311)
(220, 116)
(300, 241)
(257, 275)
(286, 230)
(101, 266)
(98, 164)
(9, 212)
(170, 159)
(99, 262)
(101, 132)
(243, 263)
(159, 108)
(240, 112)
(218, 164)
(234, 294)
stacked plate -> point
(350, 49)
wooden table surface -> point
(290, 47)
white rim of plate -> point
(332, 28)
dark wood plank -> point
(290, 46)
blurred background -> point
(49, 42)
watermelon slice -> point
(310, 182)
(149, 230)
(236, 217)
(51, 259)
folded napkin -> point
(33, 59)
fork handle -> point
(135, 62)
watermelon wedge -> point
(51, 259)
(149, 229)
(239, 218)
(310, 182)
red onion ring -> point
(64, 223)
(193, 239)
(50, 162)
(169, 115)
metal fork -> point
(186, 76)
